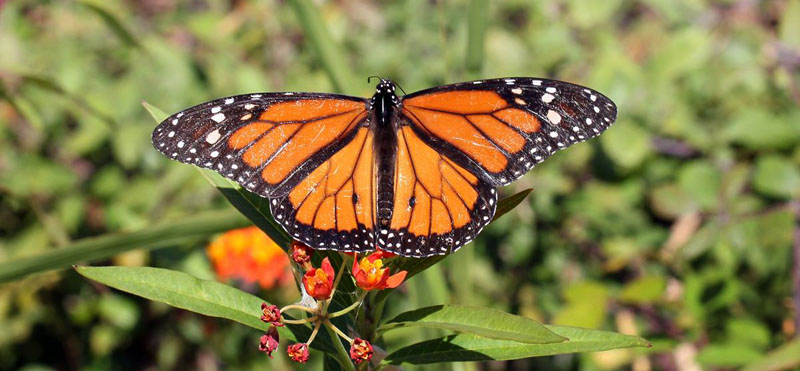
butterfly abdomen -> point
(384, 107)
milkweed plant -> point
(340, 314)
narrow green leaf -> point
(91, 249)
(477, 19)
(183, 291)
(50, 84)
(463, 347)
(113, 23)
(786, 357)
(155, 112)
(324, 47)
(485, 322)
(509, 203)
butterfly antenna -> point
(369, 79)
(401, 88)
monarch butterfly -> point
(414, 175)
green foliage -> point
(474, 348)
(676, 225)
(479, 321)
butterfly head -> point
(386, 86)
(385, 90)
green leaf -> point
(113, 23)
(762, 129)
(485, 322)
(786, 357)
(586, 305)
(91, 249)
(627, 144)
(670, 201)
(183, 291)
(509, 203)
(463, 347)
(727, 355)
(156, 113)
(776, 176)
(644, 290)
(326, 50)
(477, 19)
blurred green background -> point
(677, 224)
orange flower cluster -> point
(319, 283)
(248, 254)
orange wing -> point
(438, 205)
(334, 206)
(265, 142)
(499, 129)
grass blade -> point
(326, 50)
(113, 23)
(96, 248)
(477, 19)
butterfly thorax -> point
(384, 104)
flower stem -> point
(300, 321)
(351, 307)
(335, 283)
(296, 306)
(341, 353)
(337, 331)
(314, 333)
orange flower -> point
(319, 281)
(360, 350)
(370, 274)
(298, 352)
(250, 255)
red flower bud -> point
(360, 350)
(271, 314)
(298, 352)
(269, 341)
(301, 254)
(319, 281)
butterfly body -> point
(415, 175)
(383, 125)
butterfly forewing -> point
(265, 142)
(501, 128)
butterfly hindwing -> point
(265, 142)
(334, 206)
(438, 205)
(501, 128)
